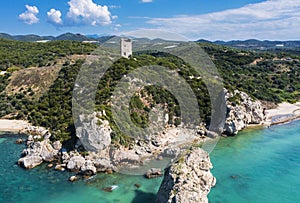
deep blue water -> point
(255, 166)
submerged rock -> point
(60, 167)
(49, 165)
(109, 171)
(73, 178)
(153, 173)
(19, 141)
(188, 180)
(136, 185)
(110, 188)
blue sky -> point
(194, 19)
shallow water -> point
(258, 166)
(47, 185)
(255, 166)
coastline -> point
(283, 113)
(12, 125)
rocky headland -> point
(242, 111)
(187, 180)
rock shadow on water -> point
(144, 197)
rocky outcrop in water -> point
(153, 173)
(187, 180)
(242, 110)
(36, 153)
(30, 161)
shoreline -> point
(283, 113)
(13, 125)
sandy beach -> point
(285, 112)
(12, 125)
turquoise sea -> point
(258, 166)
(261, 165)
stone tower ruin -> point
(126, 47)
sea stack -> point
(188, 179)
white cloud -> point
(147, 1)
(114, 6)
(54, 17)
(88, 13)
(29, 16)
(271, 19)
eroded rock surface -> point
(188, 180)
(242, 110)
(94, 133)
(38, 151)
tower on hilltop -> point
(126, 47)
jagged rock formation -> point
(242, 110)
(38, 151)
(75, 163)
(188, 180)
(93, 137)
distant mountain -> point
(73, 37)
(204, 40)
(251, 44)
(257, 44)
(34, 38)
(104, 38)
(26, 38)
(5, 36)
(31, 38)
(65, 36)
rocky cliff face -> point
(187, 180)
(93, 133)
(242, 110)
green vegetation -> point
(267, 76)
(28, 54)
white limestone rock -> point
(102, 164)
(93, 136)
(188, 180)
(88, 168)
(30, 162)
(242, 112)
(75, 163)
